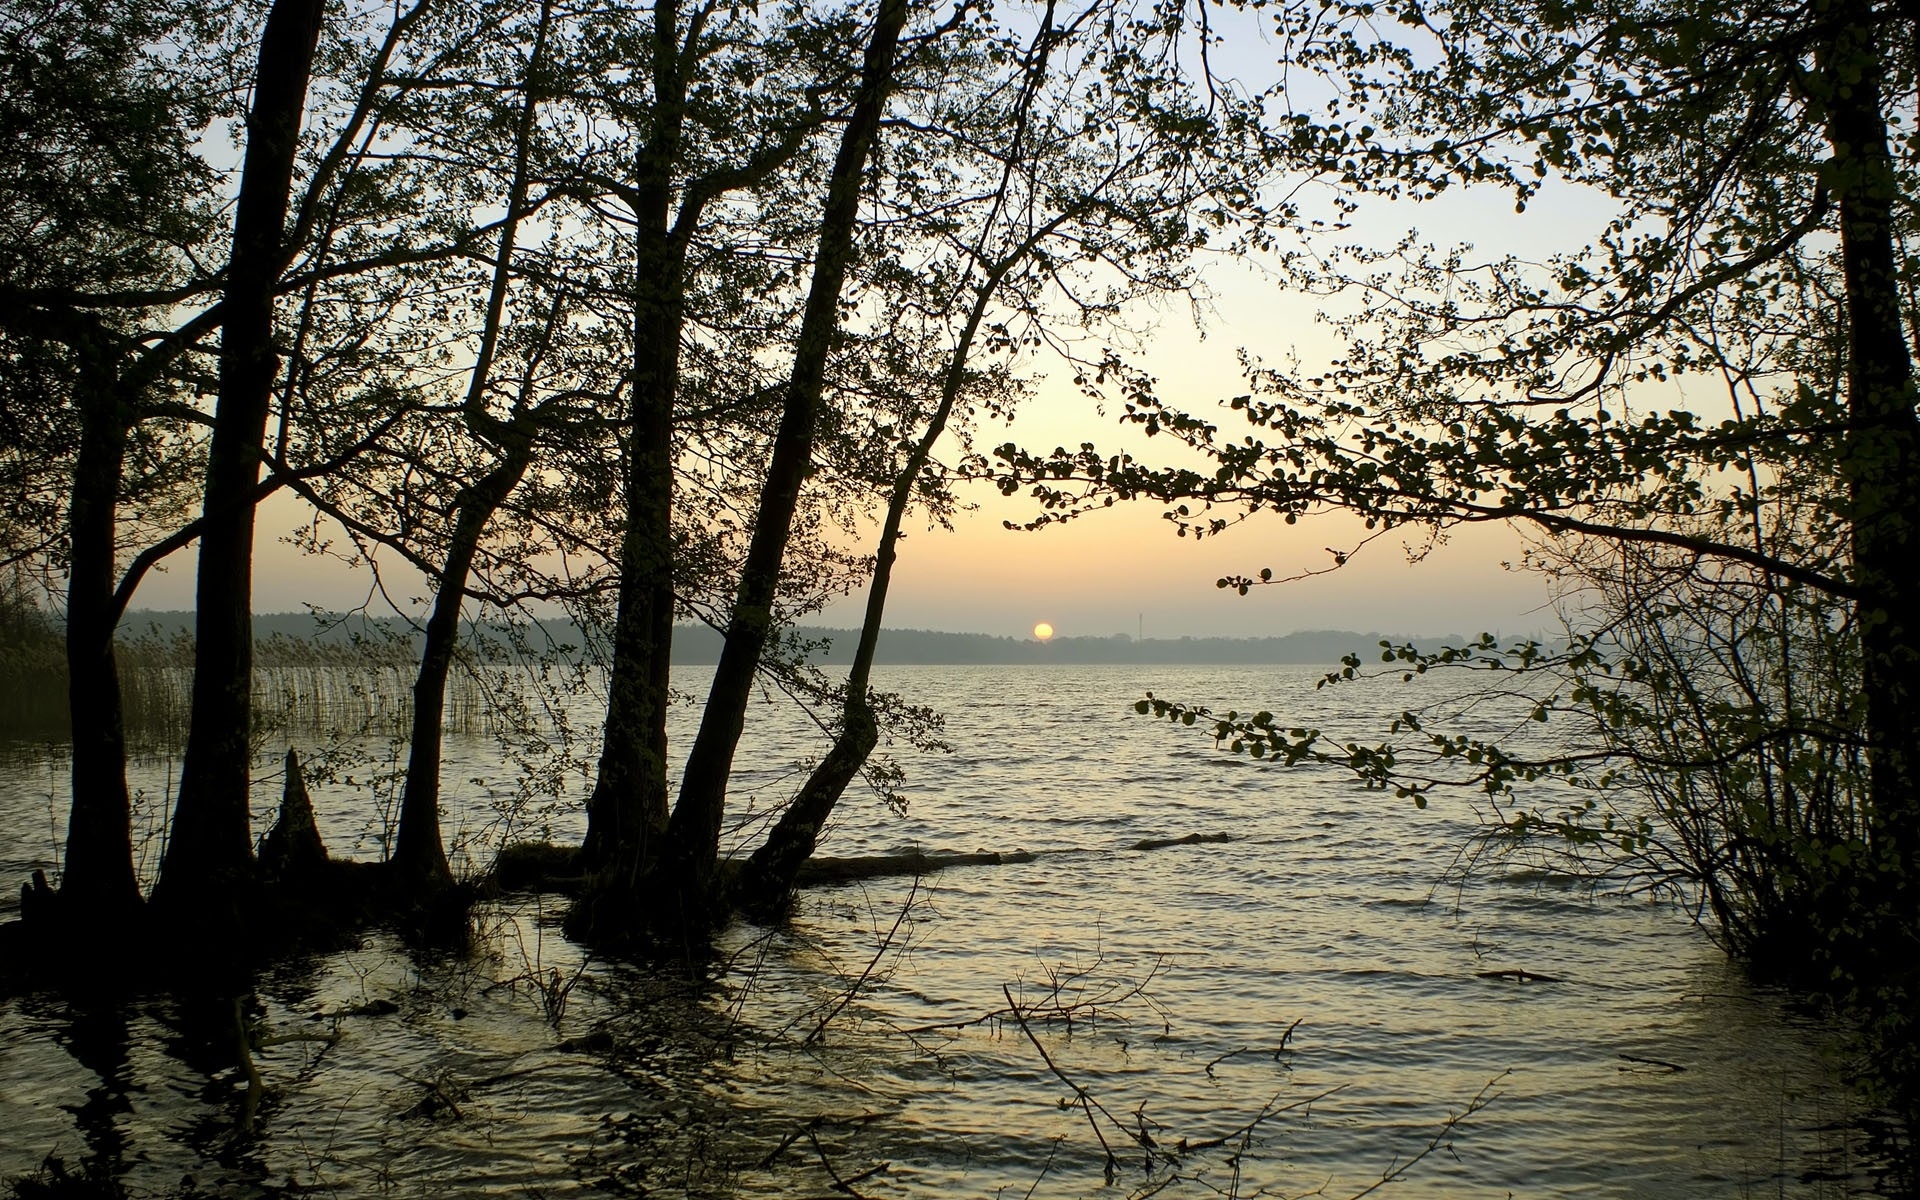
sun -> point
(1043, 631)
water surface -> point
(1313, 992)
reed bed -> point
(304, 687)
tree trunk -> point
(770, 874)
(420, 853)
(98, 887)
(292, 852)
(768, 879)
(1881, 459)
(209, 849)
(628, 808)
(693, 834)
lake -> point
(1305, 1007)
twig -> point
(1044, 1168)
(1480, 1100)
(1653, 1062)
(887, 942)
(1267, 1112)
(808, 1128)
(1277, 1051)
(1519, 975)
(1086, 1008)
(1086, 1100)
(790, 1139)
(256, 1087)
(839, 1184)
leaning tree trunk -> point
(98, 888)
(1881, 457)
(210, 846)
(768, 878)
(693, 834)
(420, 854)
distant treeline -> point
(924, 646)
(697, 645)
(357, 672)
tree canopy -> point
(1703, 409)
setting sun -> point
(1043, 631)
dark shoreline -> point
(698, 645)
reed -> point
(363, 687)
(33, 669)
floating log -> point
(1192, 839)
(914, 862)
(1671, 1068)
(541, 866)
(1519, 976)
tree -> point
(210, 851)
(1724, 709)
(501, 219)
(370, 244)
(1061, 185)
(419, 850)
(690, 145)
(114, 289)
(1064, 207)
(1759, 190)
(692, 832)
(105, 197)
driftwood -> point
(1670, 1068)
(1192, 839)
(819, 871)
(1519, 976)
(914, 862)
(539, 866)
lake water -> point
(1310, 995)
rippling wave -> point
(1319, 991)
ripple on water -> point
(1316, 987)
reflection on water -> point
(1303, 1008)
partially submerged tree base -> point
(331, 907)
(298, 900)
(303, 901)
(626, 919)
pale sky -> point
(1125, 571)
(1118, 571)
(1114, 572)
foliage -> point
(1729, 704)
(538, 323)
(1741, 657)
(107, 201)
(1707, 413)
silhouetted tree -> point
(210, 848)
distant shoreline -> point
(925, 647)
(697, 645)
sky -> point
(1119, 571)
(1115, 572)
(1124, 571)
